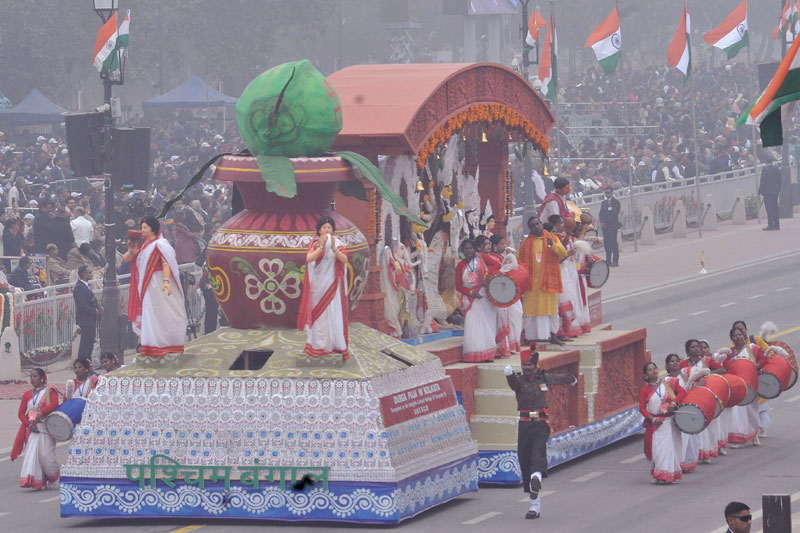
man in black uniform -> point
(531, 388)
(609, 223)
(770, 188)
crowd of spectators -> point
(56, 220)
(659, 116)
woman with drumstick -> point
(493, 263)
(690, 444)
(744, 418)
(658, 399)
(719, 426)
(40, 466)
(85, 380)
(479, 314)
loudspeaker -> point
(85, 138)
(130, 158)
(765, 73)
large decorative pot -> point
(256, 260)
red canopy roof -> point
(392, 109)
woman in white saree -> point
(39, 468)
(155, 303)
(324, 303)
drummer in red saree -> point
(480, 316)
(155, 303)
(494, 261)
(744, 418)
(324, 302)
(690, 444)
(662, 439)
(693, 370)
(39, 468)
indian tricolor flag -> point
(548, 62)
(784, 88)
(679, 54)
(105, 45)
(534, 24)
(121, 49)
(606, 40)
(732, 35)
(788, 21)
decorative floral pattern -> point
(275, 281)
(383, 503)
(486, 114)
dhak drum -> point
(746, 369)
(738, 389)
(721, 390)
(597, 273)
(774, 376)
(791, 359)
(504, 289)
(62, 421)
(696, 410)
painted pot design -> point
(256, 260)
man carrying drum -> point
(541, 253)
(531, 388)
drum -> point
(62, 421)
(792, 361)
(738, 389)
(696, 410)
(504, 289)
(722, 391)
(774, 377)
(745, 369)
(597, 273)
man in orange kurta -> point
(541, 252)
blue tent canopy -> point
(194, 92)
(34, 109)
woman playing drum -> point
(698, 365)
(719, 426)
(690, 444)
(480, 316)
(40, 466)
(744, 418)
(662, 439)
(494, 261)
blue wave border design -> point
(381, 503)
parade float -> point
(233, 427)
(243, 424)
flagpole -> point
(554, 76)
(694, 128)
(752, 128)
(627, 138)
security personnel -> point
(531, 388)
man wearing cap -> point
(530, 388)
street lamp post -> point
(109, 327)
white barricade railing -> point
(661, 197)
(45, 318)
